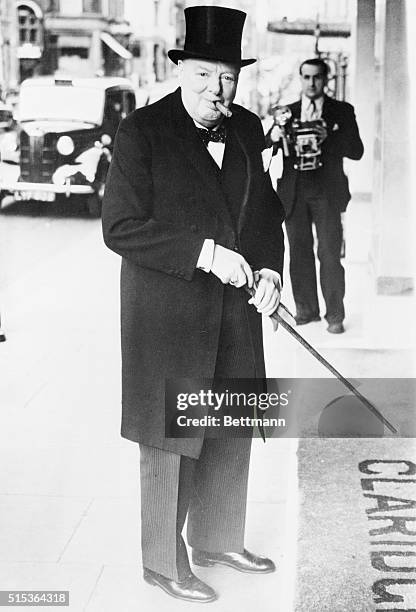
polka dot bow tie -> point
(217, 135)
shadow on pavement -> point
(61, 208)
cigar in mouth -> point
(224, 110)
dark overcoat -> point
(343, 140)
(163, 198)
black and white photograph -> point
(207, 306)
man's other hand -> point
(231, 267)
(322, 133)
(267, 296)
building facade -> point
(72, 37)
(8, 46)
(384, 77)
(155, 29)
(85, 37)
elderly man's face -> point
(203, 83)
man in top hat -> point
(191, 210)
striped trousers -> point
(211, 490)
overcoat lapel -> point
(241, 137)
(194, 150)
(254, 166)
(327, 112)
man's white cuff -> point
(206, 255)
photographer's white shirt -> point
(311, 109)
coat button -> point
(235, 248)
(194, 228)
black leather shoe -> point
(336, 328)
(305, 320)
(189, 589)
(243, 562)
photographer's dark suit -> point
(164, 196)
(319, 196)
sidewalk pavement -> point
(346, 548)
(380, 328)
(69, 494)
(69, 486)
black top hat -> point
(212, 33)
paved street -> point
(33, 233)
(69, 494)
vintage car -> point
(65, 135)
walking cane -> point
(284, 317)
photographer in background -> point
(317, 195)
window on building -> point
(115, 9)
(70, 7)
(135, 47)
(29, 26)
(159, 62)
(91, 6)
(156, 11)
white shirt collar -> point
(215, 149)
(319, 102)
(203, 127)
(309, 113)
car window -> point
(114, 111)
(114, 104)
(130, 102)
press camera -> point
(300, 138)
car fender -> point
(87, 163)
(9, 148)
(88, 160)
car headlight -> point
(65, 145)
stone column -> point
(9, 64)
(96, 55)
(392, 252)
(363, 94)
(14, 43)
